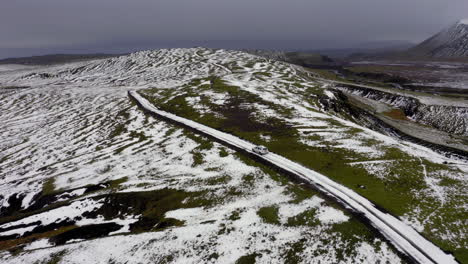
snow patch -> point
(41, 243)
(330, 94)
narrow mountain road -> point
(402, 236)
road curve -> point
(402, 236)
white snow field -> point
(87, 177)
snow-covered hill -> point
(449, 43)
(85, 175)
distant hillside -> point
(54, 59)
(449, 43)
(306, 59)
(367, 48)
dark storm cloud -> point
(117, 25)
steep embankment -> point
(451, 119)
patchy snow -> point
(75, 209)
(331, 215)
(377, 168)
(266, 138)
(329, 94)
(27, 200)
(402, 236)
(289, 210)
(59, 129)
(414, 223)
(41, 243)
(216, 98)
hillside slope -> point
(78, 156)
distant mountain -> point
(54, 59)
(449, 43)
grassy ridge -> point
(399, 192)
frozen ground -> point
(74, 136)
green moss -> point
(248, 259)
(213, 256)
(235, 215)
(248, 179)
(55, 258)
(116, 183)
(48, 187)
(151, 205)
(266, 74)
(218, 180)
(352, 233)
(461, 254)
(197, 158)
(294, 250)
(300, 193)
(140, 135)
(223, 152)
(298, 85)
(122, 148)
(170, 131)
(306, 218)
(269, 215)
(4, 158)
(449, 182)
(397, 192)
(119, 129)
(124, 114)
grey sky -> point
(46, 26)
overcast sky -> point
(30, 27)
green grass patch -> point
(266, 74)
(306, 218)
(223, 152)
(119, 129)
(48, 187)
(55, 258)
(269, 215)
(139, 135)
(235, 215)
(218, 180)
(248, 259)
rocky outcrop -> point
(450, 119)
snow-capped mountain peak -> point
(463, 21)
(449, 43)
